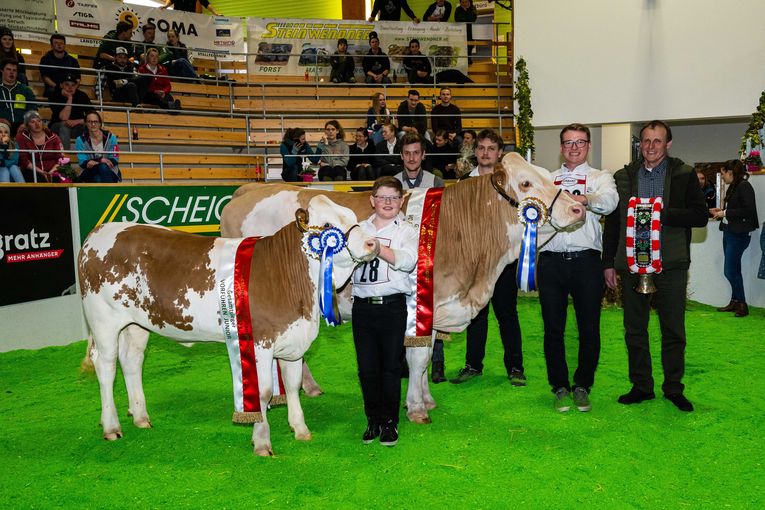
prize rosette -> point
(643, 237)
(532, 213)
(323, 244)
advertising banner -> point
(296, 47)
(217, 34)
(36, 253)
(23, 16)
(193, 209)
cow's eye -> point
(327, 225)
(526, 185)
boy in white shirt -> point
(380, 288)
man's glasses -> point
(385, 199)
(570, 143)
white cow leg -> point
(427, 397)
(132, 344)
(292, 372)
(310, 386)
(418, 359)
(105, 362)
(261, 432)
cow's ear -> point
(301, 219)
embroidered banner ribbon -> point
(643, 236)
(533, 214)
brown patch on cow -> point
(281, 288)
(159, 267)
(472, 240)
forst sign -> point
(195, 209)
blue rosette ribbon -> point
(328, 242)
(532, 213)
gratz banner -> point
(216, 34)
(193, 209)
(36, 252)
(296, 47)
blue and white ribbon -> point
(533, 214)
(324, 244)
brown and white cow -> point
(478, 235)
(137, 278)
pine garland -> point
(525, 113)
(755, 124)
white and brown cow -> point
(137, 278)
(478, 235)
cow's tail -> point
(87, 362)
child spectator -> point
(9, 157)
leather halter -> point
(498, 183)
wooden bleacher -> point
(249, 115)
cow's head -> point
(327, 222)
(525, 180)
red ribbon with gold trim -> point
(251, 399)
(426, 256)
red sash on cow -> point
(233, 276)
(423, 212)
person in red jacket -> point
(39, 150)
(159, 86)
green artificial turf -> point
(490, 445)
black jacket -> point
(740, 209)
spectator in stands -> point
(68, 106)
(189, 5)
(175, 57)
(417, 65)
(440, 10)
(467, 160)
(56, 64)
(361, 162)
(8, 51)
(334, 153)
(9, 157)
(113, 39)
(443, 155)
(376, 63)
(123, 81)
(97, 152)
(390, 10)
(446, 115)
(342, 64)
(295, 150)
(388, 160)
(412, 117)
(39, 150)
(149, 34)
(158, 90)
(413, 155)
(377, 115)
(466, 13)
(15, 97)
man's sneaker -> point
(582, 399)
(389, 434)
(562, 400)
(465, 374)
(372, 432)
(516, 377)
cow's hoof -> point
(304, 436)
(420, 418)
(143, 424)
(263, 451)
(430, 405)
(313, 390)
(113, 436)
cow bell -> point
(645, 284)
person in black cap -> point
(342, 64)
(123, 80)
(56, 64)
(376, 63)
(8, 51)
(68, 106)
(118, 37)
(390, 10)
